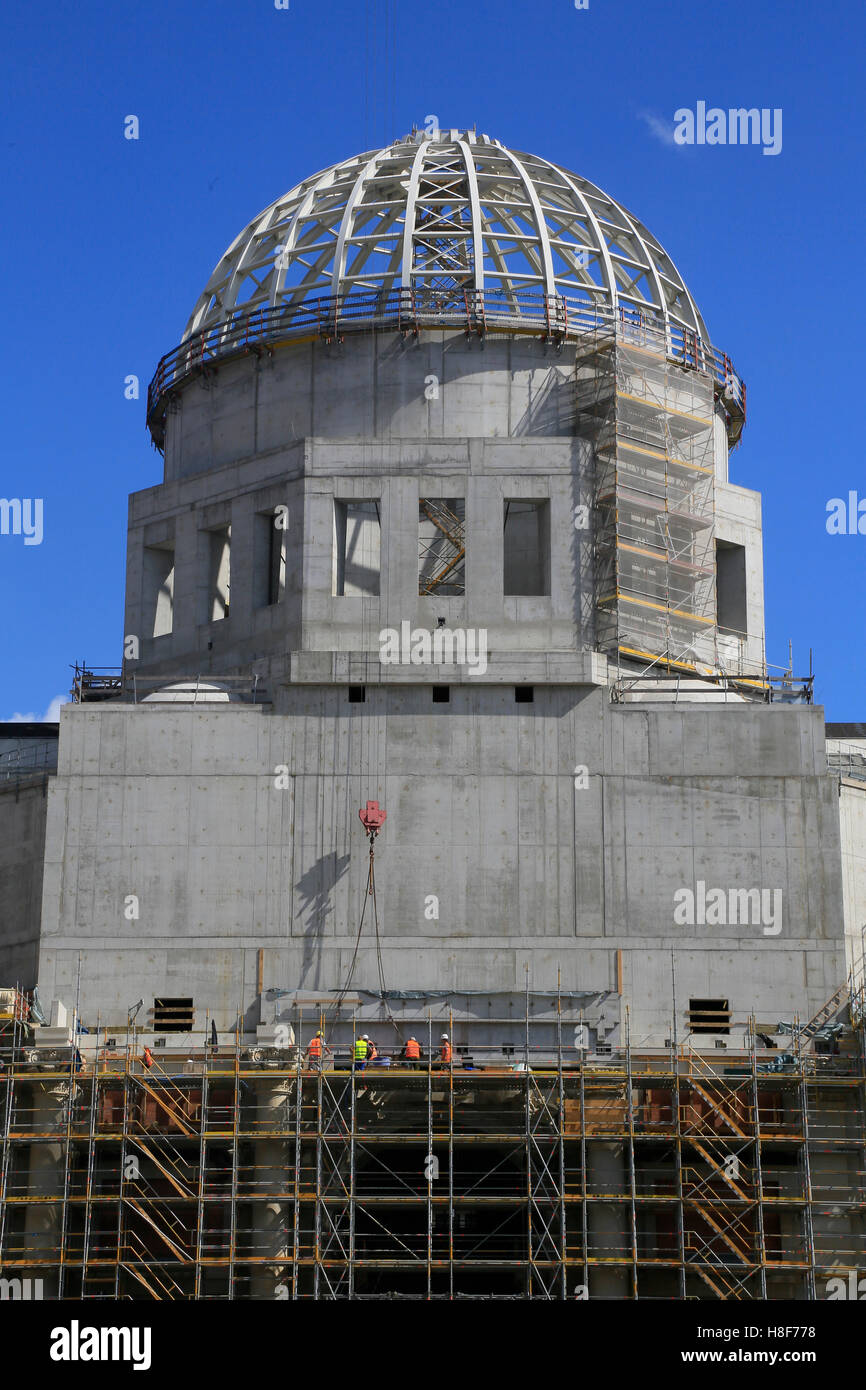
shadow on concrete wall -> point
(315, 888)
(552, 409)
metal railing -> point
(113, 682)
(30, 760)
(554, 317)
(848, 761)
(757, 685)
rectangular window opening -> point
(526, 548)
(731, 588)
(709, 1016)
(158, 589)
(357, 694)
(442, 547)
(524, 694)
(441, 694)
(270, 557)
(357, 549)
(173, 1015)
(219, 575)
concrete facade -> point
(846, 748)
(23, 808)
(311, 426)
(28, 758)
(187, 810)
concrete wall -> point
(309, 478)
(738, 520)
(188, 811)
(23, 808)
(437, 386)
(848, 754)
(384, 419)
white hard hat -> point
(445, 1036)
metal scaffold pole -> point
(678, 1160)
(236, 1124)
(451, 1157)
(296, 1206)
(560, 1134)
(430, 1164)
(631, 1172)
(758, 1183)
(352, 1128)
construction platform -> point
(236, 1172)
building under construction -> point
(446, 535)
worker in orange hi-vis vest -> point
(148, 1058)
(412, 1053)
(444, 1050)
(317, 1050)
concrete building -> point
(447, 523)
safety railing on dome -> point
(408, 310)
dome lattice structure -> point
(444, 217)
(451, 231)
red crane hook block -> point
(373, 817)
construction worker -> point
(412, 1054)
(359, 1060)
(444, 1050)
(148, 1058)
(372, 1051)
(317, 1050)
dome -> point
(446, 232)
(449, 221)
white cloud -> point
(662, 130)
(51, 715)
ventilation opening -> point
(158, 589)
(526, 548)
(219, 574)
(173, 1015)
(442, 546)
(524, 694)
(357, 694)
(709, 1016)
(270, 557)
(441, 694)
(731, 587)
(357, 549)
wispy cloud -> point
(51, 715)
(662, 130)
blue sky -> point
(108, 242)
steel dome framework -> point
(450, 215)
(448, 231)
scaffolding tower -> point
(650, 416)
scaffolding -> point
(441, 546)
(650, 417)
(531, 1171)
